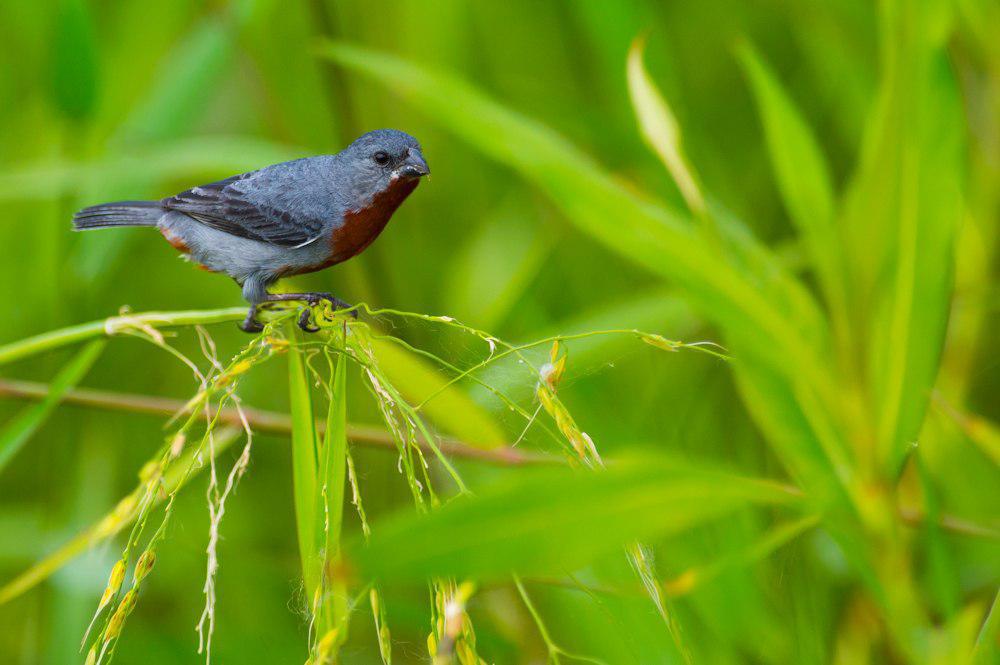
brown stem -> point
(264, 421)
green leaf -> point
(17, 432)
(902, 214)
(112, 522)
(333, 462)
(554, 521)
(330, 512)
(802, 174)
(985, 650)
(660, 129)
(304, 465)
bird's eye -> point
(381, 158)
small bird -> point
(287, 219)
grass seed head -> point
(114, 582)
(144, 565)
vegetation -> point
(683, 355)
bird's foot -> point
(251, 324)
(304, 323)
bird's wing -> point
(224, 206)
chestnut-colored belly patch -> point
(361, 227)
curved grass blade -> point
(553, 521)
(25, 424)
(121, 516)
(802, 176)
(660, 129)
(304, 464)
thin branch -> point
(263, 421)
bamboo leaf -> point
(985, 649)
(334, 461)
(554, 521)
(902, 215)
(121, 516)
(334, 614)
(660, 129)
(303, 467)
(17, 432)
(801, 172)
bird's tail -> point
(119, 213)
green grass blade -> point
(660, 129)
(25, 424)
(122, 515)
(334, 614)
(552, 521)
(902, 217)
(985, 650)
(801, 172)
(304, 468)
(333, 461)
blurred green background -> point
(106, 100)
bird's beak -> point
(414, 166)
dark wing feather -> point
(222, 206)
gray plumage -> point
(284, 219)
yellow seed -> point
(277, 344)
(144, 565)
(128, 602)
(115, 625)
(114, 582)
(91, 656)
(373, 599)
(324, 651)
(660, 342)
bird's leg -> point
(312, 297)
(251, 324)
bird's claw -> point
(251, 324)
(304, 323)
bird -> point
(286, 219)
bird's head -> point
(381, 159)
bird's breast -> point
(360, 227)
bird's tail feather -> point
(119, 213)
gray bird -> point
(287, 219)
